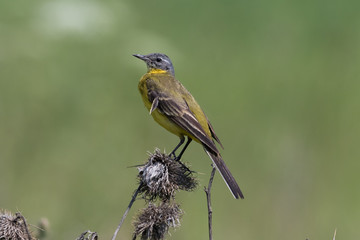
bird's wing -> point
(213, 134)
(176, 109)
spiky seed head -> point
(13, 227)
(154, 222)
(161, 177)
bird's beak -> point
(142, 57)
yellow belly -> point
(168, 124)
(164, 121)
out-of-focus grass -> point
(279, 81)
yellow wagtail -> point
(174, 108)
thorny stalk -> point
(208, 198)
(127, 211)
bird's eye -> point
(158, 59)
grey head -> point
(157, 61)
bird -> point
(174, 108)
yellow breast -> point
(158, 117)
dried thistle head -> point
(162, 176)
(154, 221)
(88, 235)
(13, 227)
(43, 227)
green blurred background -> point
(279, 80)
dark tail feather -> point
(226, 174)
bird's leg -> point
(177, 158)
(181, 153)
(182, 139)
(183, 150)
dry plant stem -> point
(127, 211)
(208, 198)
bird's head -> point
(157, 61)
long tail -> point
(226, 174)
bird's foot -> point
(173, 156)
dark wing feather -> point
(213, 134)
